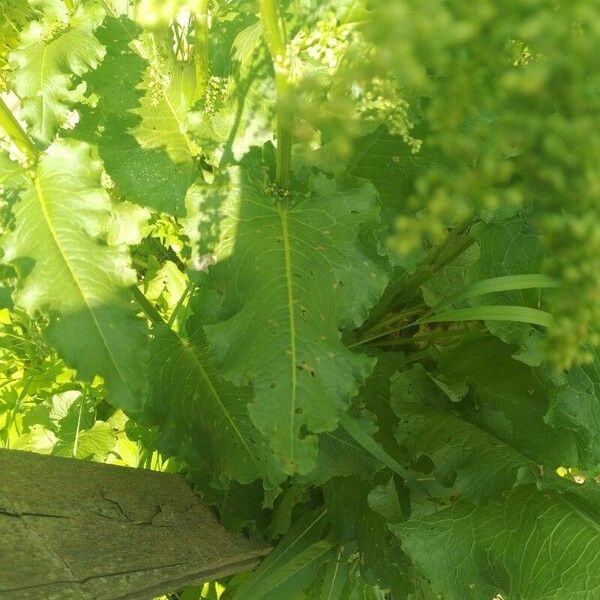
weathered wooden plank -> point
(71, 529)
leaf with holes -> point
(295, 271)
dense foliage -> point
(336, 260)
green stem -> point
(401, 292)
(150, 311)
(70, 6)
(460, 228)
(417, 356)
(396, 317)
(186, 293)
(416, 339)
(17, 134)
(201, 57)
(275, 37)
(377, 336)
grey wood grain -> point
(73, 529)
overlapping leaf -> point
(131, 132)
(522, 406)
(355, 510)
(503, 249)
(47, 65)
(532, 545)
(68, 272)
(465, 455)
(294, 272)
(203, 418)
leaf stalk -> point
(16, 133)
(274, 33)
(201, 56)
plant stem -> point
(70, 6)
(201, 58)
(150, 311)
(401, 292)
(275, 37)
(17, 134)
(415, 339)
(377, 336)
(409, 312)
(417, 356)
(180, 303)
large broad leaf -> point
(143, 169)
(50, 56)
(465, 455)
(575, 405)
(531, 546)
(70, 274)
(522, 406)
(202, 417)
(389, 163)
(163, 113)
(293, 272)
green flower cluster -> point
(509, 100)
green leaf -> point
(532, 545)
(304, 540)
(143, 170)
(295, 575)
(92, 444)
(497, 284)
(293, 273)
(510, 401)
(202, 417)
(502, 250)
(163, 112)
(12, 175)
(465, 455)
(370, 445)
(520, 314)
(335, 580)
(359, 527)
(68, 272)
(47, 64)
(341, 455)
(575, 406)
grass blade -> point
(520, 314)
(497, 284)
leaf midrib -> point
(292, 321)
(42, 86)
(190, 351)
(48, 220)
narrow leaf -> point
(359, 435)
(292, 576)
(336, 577)
(497, 284)
(303, 534)
(520, 314)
